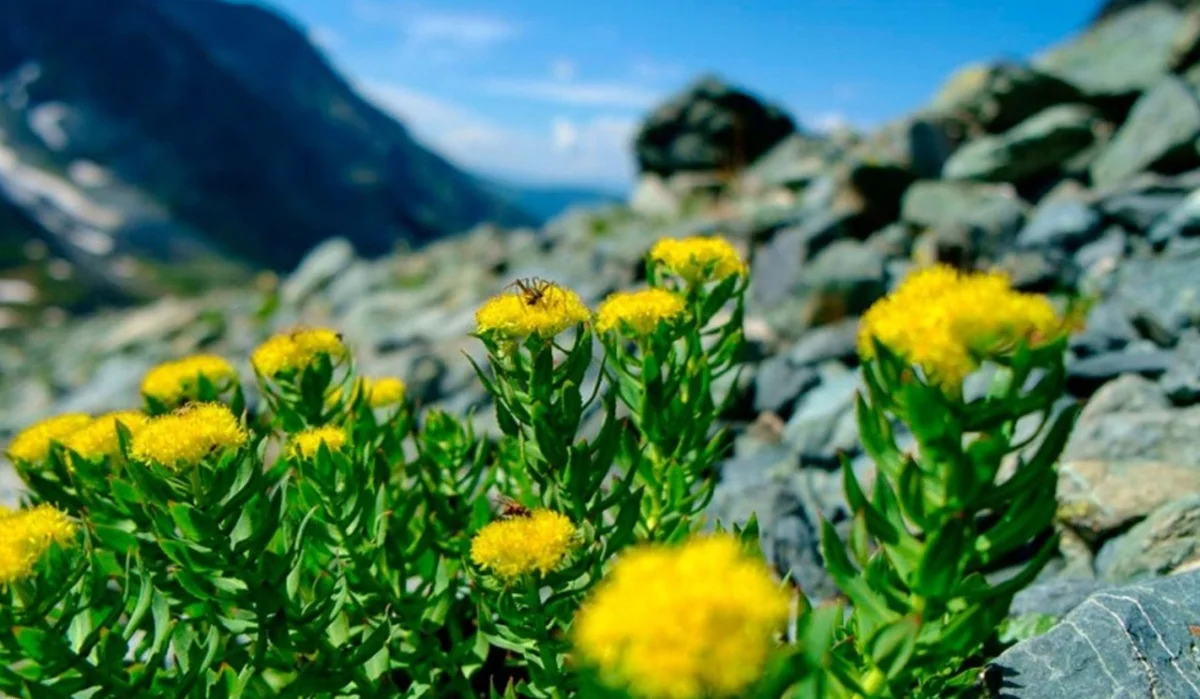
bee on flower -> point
(536, 308)
(522, 543)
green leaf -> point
(893, 645)
(946, 554)
(1022, 628)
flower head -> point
(682, 621)
(379, 393)
(546, 310)
(32, 445)
(28, 535)
(945, 321)
(296, 350)
(513, 547)
(178, 381)
(638, 312)
(186, 437)
(99, 437)
(308, 442)
(698, 259)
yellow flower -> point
(944, 321)
(179, 381)
(524, 544)
(99, 437)
(308, 443)
(639, 312)
(187, 436)
(385, 391)
(296, 350)
(547, 313)
(28, 535)
(677, 622)
(32, 445)
(698, 259)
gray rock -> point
(779, 263)
(850, 271)
(1182, 221)
(1119, 57)
(920, 144)
(837, 341)
(994, 210)
(1086, 375)
(1181, 383)
(1162, 435)
(1132, 641)
(1039, 270)
(1127, 394)
(1064, 224)
(1034, 147)
(1137, 211)
(817, 429)
(318, 268)
(779, 383)
(793, 163)
(1100, 498)
(1164, 290)
(652, 198)
(1161, 130)
(1163, 542)
(1054, 597)
(999, 96)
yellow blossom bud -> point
(296, 351)
(32, 445)
(698, 259)
(178, 381)
(99, 438)
(308, 443)
(186, 437)
(544, 309)
(638, 312)
(512, 547)
(682, 622)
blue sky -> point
(543, 91)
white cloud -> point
(617, 95)
(596, 151)
(438, 35)
(829, 121)
(562, 69)
(651, 70)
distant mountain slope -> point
(185, 127)
(547, 202)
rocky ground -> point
(1079, 171)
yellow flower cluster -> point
(638, 312)
(99, 438)
(308, 442)
(698, 259)
(32, 445)
(296, 350)
(178, 381)
(945, 321)
(512, 547)
(28, 534)
(186, 437)
(677, 622)
(546, 313)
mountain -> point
(202, 131)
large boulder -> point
(995, 97)
(711, 125)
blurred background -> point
(183, 176)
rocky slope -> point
(198, 130)
(1079, 171)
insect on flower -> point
(509, 508)
(532, 290)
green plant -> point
(337, 543)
